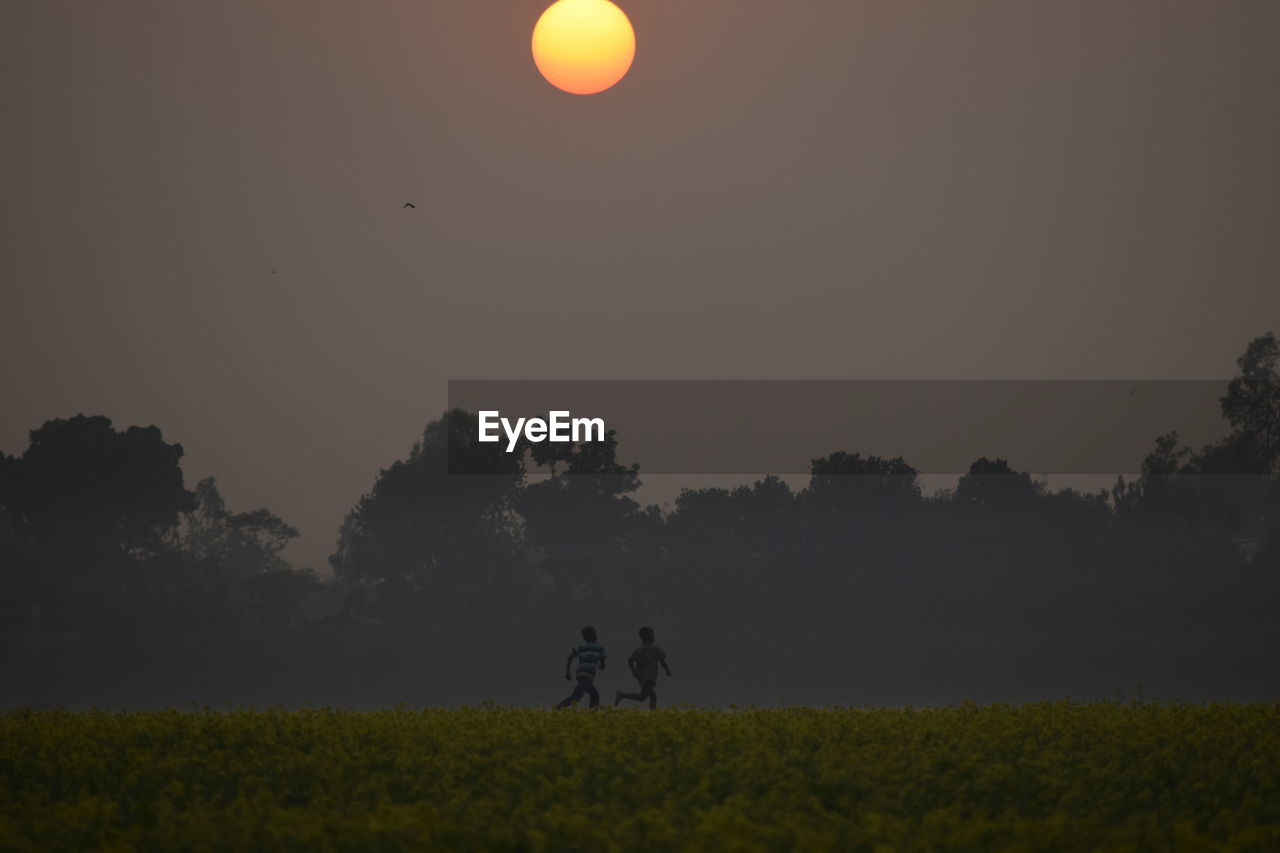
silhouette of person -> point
(644, 663)
(590, 656)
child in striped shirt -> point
(590, 656)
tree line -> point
(98, 532)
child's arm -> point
(631, 664)
(573, 654)
(667, 668)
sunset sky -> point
(201, 222)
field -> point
(1053, 776)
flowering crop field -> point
(1052, 776)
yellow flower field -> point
(1051, 776)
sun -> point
(583, 46)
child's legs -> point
(646, 692)
(583, 687)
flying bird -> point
(409, 204)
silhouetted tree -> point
(845, 483)
(993, 484)
(1167, 457)
(233, 560)
(95, 506)
(1252, 405)
(585, 535)
(730, 554)
(1234, 493)
(18, 583)
(425, 544)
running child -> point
(644, 663)
(590, 656)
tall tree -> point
(94, 504)
(582, 529)
(428, 544)
(1252, 403)
(730, 553)
(1241, 497)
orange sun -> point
(583, 46)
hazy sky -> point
(201, 223)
